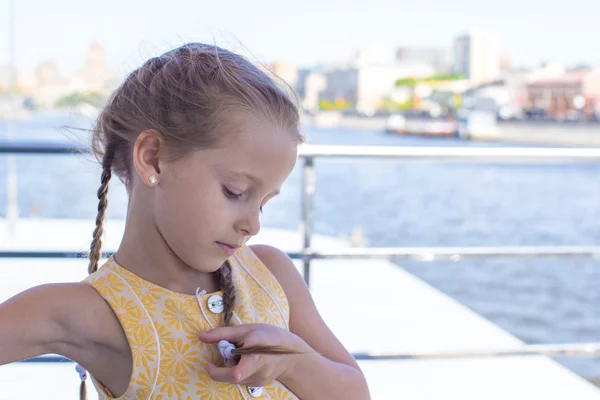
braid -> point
(82, 391)
(96, 245)
(228, 291)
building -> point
(377, 82)
(50, 86)
(303, 74)
(365, 85)
(342, 83)
(95, 75)
(314, 85)
(477, 57)
(559, 97)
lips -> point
(229, 249)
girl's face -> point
(208, 203)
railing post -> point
(308, 192)
(12, 208)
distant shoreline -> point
(572, 134)
(543, 133)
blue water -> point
(406, 204)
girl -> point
(202, 140)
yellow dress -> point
(162, 329)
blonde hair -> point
(183, 96)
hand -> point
(254, 369)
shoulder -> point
(281, 266)
(272, 257)
(284, 270)
(68, 304)
(71, 316)
(305, 320)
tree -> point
(96, 99)
(412, 82)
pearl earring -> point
(153, 179)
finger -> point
(233, 334)
(220, 374)
(246, 367)
(231, 362)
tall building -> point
(314, 85)
(477, 57)
(95, 74)
(303, 74)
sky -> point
(307, 31)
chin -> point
(201, 263)
(215, 264)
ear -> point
(145, 157)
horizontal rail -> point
(415, 253)
(549, 350)
(463, 154)
(455, 253)
(474, 154)
(38, 147)
(47, 254)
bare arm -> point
(70, 319)
(30, 324)
(63, 318)
(335, 370)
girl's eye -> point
(229, 194)
(235, 196)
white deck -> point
(370, 305)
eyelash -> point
(230, 194)
(234, 196)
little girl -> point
(202, 140)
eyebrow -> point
(254, 179)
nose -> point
(249, 223)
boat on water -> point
(436, 127)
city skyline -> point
(307, 33)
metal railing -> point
(438, 154)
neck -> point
(145, 252)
